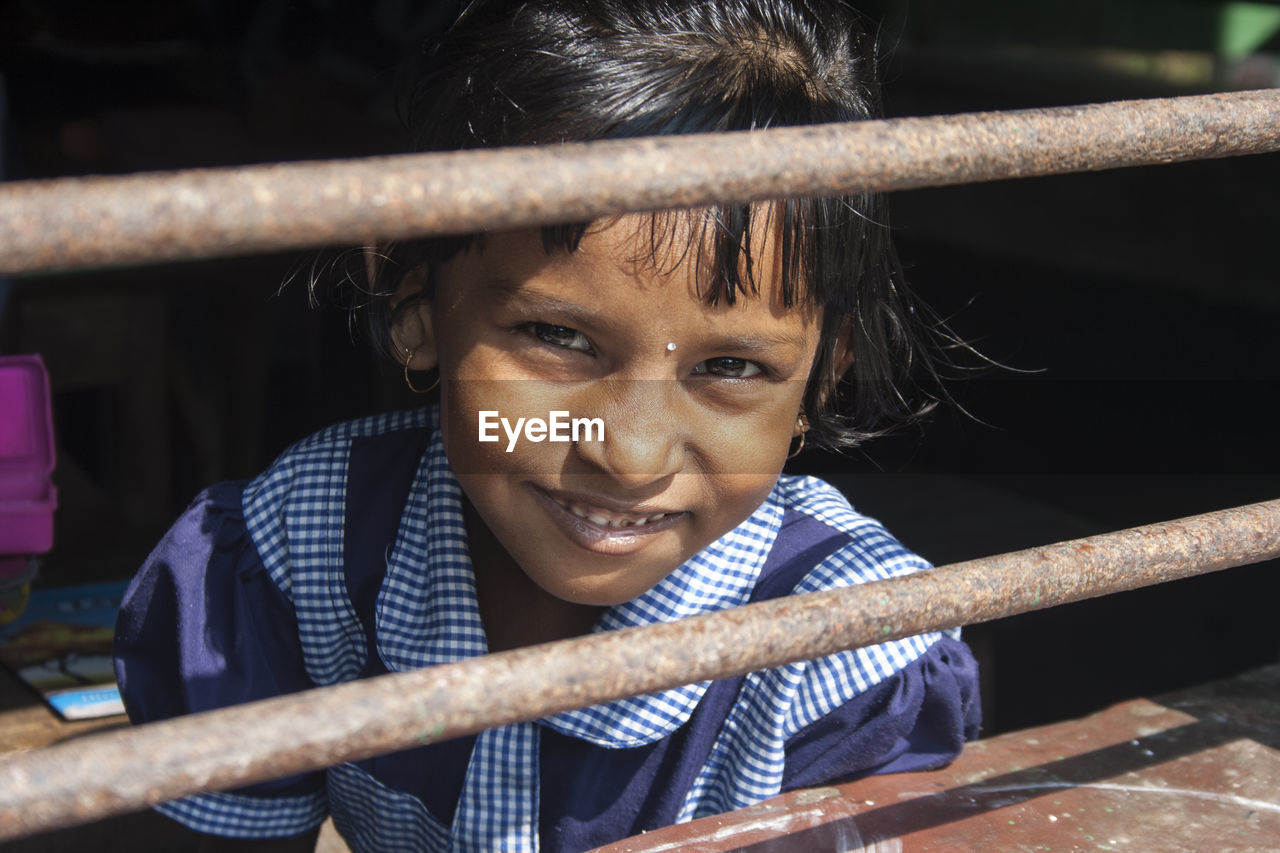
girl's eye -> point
(728, 367)
(560, 336)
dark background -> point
(1138, 308)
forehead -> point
(642, 257)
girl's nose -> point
(644, 438)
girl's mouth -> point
(602, 530)
(606, 518)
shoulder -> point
(214, 519)
(298, 503)
(339, 438)
(865, 551)
(201, 624)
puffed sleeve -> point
(201, 627)
(917, 719)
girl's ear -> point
(841, 360)
(412, 322)
(373, 257)
(844, 350)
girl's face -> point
(698, 403)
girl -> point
(616, 402)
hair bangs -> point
(737, 246)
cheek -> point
(739, 496)
(753, 446)
(460, 428)
(501, 400)
(747, 456)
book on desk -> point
(61, 647)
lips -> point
(602, 529)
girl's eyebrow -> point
(759, 342)
(749, 342)
(519, 292)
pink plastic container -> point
(27, 495)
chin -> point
(592, 594)
(602, 589)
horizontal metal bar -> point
(70, 223)
(127, 770)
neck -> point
(514, 610)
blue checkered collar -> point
(428, 615)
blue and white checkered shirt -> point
(426, 614)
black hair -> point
(526, 73)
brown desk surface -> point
(1197, 770)
(27, 723)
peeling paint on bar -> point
(84, 222)
(128, 770)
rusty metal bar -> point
(130, 769)
(69, 223)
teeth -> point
(605, 521)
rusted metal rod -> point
(130, 769)
(69, 223)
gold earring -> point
(408, 357)
(802, 426)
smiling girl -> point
(707, 344)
